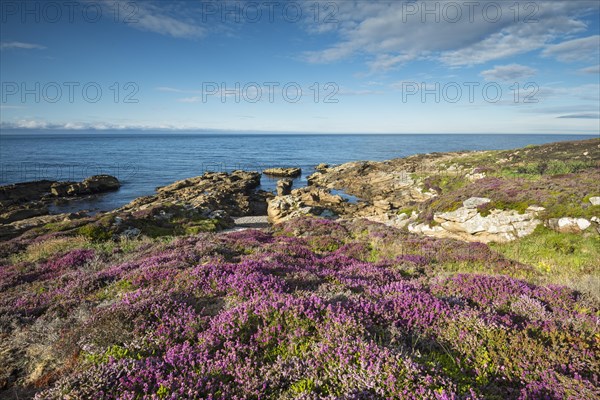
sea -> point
(145, 160)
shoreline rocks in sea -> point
(92, 185)
(292, 172)
(25, 206)
(472, 196)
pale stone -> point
(595, 200)
(526, 228)
(569, 225)
(478, 224)
(535, 209)
(460, 215)
(583, 223)
(475, 202)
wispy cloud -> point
(580, 116)
(193, 99)
(595, 69)
(160, 17)
(507, 73)
(74, 125)
(20, 45)
(583, 49)
(387, 37)
(176, 90)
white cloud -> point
(20, 45)
(583, 49)
(163, 18)
(389, 36)
(72, 125)
(595, 69)
(508, 73)
(194, 99)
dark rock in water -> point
(284, 172)
(24, 206)
(284, 187)
(23, 192)
(92, 185)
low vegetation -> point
(313, 309)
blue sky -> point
(377, 66)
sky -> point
(302, 66)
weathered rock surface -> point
(24, 192)
(24, 206)
(203, 203)
(466, 223)
(206, 202)
(284, 187)
(305, 201)
(391, 190)
(92, 185)
(284, 172)
(569, 225)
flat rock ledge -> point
(283, 172)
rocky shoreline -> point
(402, 193)
(413, 259)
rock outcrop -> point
(25, 206)
(92, 185)
(467, 223)
(569, 225)
(305, 201)
(283, 172)
(205, 203)
(284, 187)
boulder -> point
(284, 187)
(284, 172)
(595, 200)
(569, 225)
(100, 184)
(321, 167)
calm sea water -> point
(144, 160)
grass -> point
(41, 251)
(560, 258)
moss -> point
(444, 183)
(58, 226)
(115, 352)
(306, 385)
(202, 225)
(519, 206)
(407, 210)
(162, 392)
(95, 233)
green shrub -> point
(95, 232)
